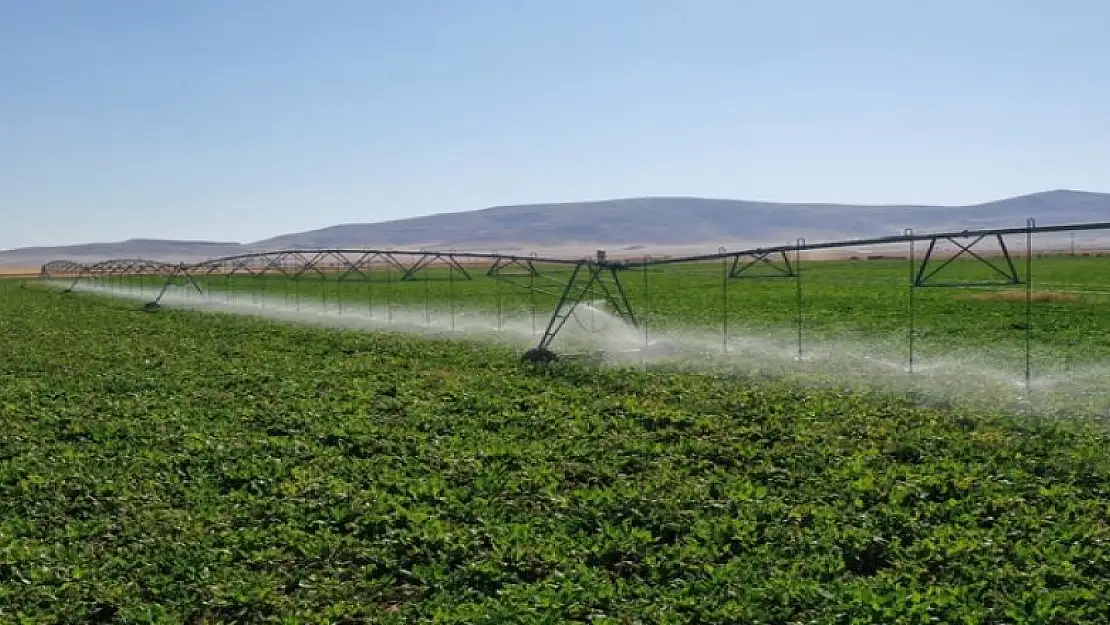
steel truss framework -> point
(513, 268)
(293, 264)
(589, 276)
(1009, 275)
(744, 265)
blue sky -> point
(210, 119)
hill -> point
(650, 222)
(153, 249)
(669, 221)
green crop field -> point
(188, 467)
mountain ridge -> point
(648, 221)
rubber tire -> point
(539, 356)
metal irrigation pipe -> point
(427, 301)
(1077, 227)
(913, 287)
(369, 277)
(297, 288)
(1030, 224)
(532, 297)
(724, 301)
(339, 294)
(647, 301)
(500, 302)
(451, 292)
(389, 294)
(798, 289)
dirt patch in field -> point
(18, 272)
(1019, 296)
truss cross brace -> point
(357, 267)
(180, 274)
(1008, 275)
(306, 265)
(277, 263)
(741, 264)
(430, 257)
(527, 268)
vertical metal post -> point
(339, 284)
(369, 277)
(532, 296)
(1029, 225)
(647, 301)
(798, 290)
(451, 292)
(291, 275)
(284, 264)
(427, 300)
(297, 287)
(389, 294)
(500, 302)
(912, 311)
(724, 301)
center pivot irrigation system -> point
(590, 278)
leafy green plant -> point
(203, 468)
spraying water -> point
(966, 379)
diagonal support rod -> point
(574, 292)
(759, 257)
(428, 259)
(182, 272)
(923, 279)
(363, 262)
(497, 269)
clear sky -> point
(243, 119)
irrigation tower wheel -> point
(539, 356)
